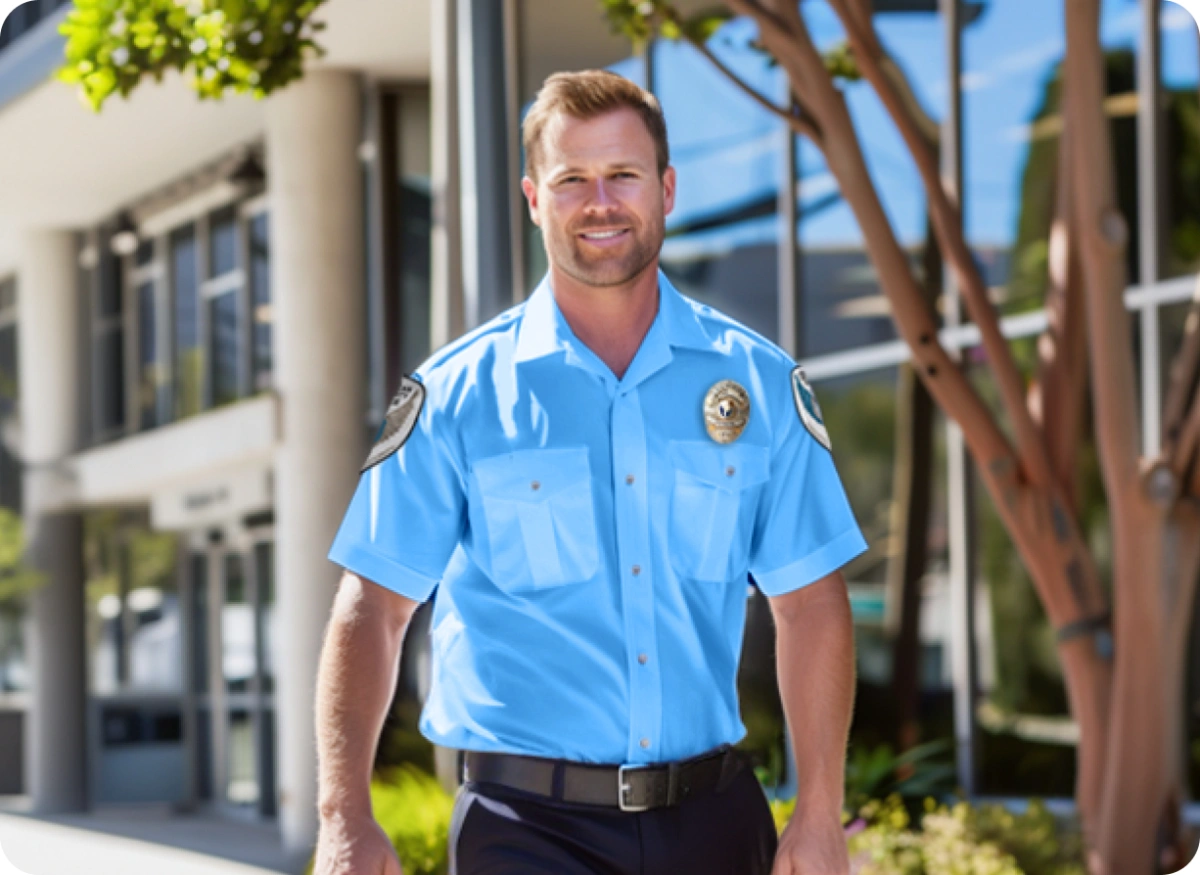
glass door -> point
(233, 677)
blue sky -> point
(727, 149)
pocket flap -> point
(531, 475)
(732, 468)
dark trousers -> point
(499, 831)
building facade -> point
(204, 308)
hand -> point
(354, 847)
(812, 845)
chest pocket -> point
(712, 503)
(541, 524)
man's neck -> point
(611, 321)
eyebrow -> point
(572, 169)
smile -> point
(603, 235)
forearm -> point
(355, 684)
(815, 658)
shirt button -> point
(629, 479)
(730, 471)
(643, 658)
(637, 569)
(535, 486)
(645, 742)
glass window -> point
(237, 627)
(842, 305)
(260, 286)
(223, 347)
(135, 641)
(109, 344)
(243, 786)
(189, 353)
(151, 384)
(264, 570)
(722, 237)
(222, 293)
(223, 242)
(1012, 75)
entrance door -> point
(233, 680)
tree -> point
(1124, 677)
(255, 46)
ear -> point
(529, 188)
(668, 184)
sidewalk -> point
(144, 843)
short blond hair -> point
(586, 95)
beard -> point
(604, 268)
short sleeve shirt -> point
(588, 541)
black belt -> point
(629, 788)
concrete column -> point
(446, 313)
(56, 739)
(317, 270)
(484, 141)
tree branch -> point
(1057, 398)
(947, 220)
(1182, 387)
(797, 123)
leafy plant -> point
(16, 578)
(914, 775)
(414, 811)
(956, 840)
(255, 46)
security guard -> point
(586, 483)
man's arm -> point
(359, 663)
(815, 659)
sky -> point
(729, 151)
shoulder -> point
(453, 370)
(731, 337)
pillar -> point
(50, 391)
(317, 246)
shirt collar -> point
(544, 331)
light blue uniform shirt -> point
(588, 541)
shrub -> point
(955, 840)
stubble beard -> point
(605, 271)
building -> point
(204, 307)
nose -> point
(601, 199)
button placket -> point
(631, 505)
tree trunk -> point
(906, 571)
(911, 500)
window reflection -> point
(237, 628)
(133, 612)
(722, 245)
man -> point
(587, 482)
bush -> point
(955, 840)
(414, 811)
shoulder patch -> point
(808, 408)
(399, 423)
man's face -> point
(599, 200)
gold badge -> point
(726, 411)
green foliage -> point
(254, 46)
(840, 62)
(640, 21)
(16, 578)
(956, 840)
(414, 811)
(917, 773)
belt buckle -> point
(622, 787)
